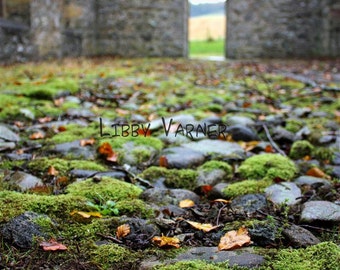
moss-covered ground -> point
(84, 213)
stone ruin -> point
(40, 29)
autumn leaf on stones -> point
(206, 227)
(234, 239)
(166, 242)
(122, 231)
(52, 245)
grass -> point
(206, 48)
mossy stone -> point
(268, 166)
(216, 165)
(246, 187)
(301, 149)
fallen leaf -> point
(206, 227)
(58, 102)
(316, 172)
(45, 119)
(222, 201)
(186, 203)
(123, 230)
(86, 214)
(248, 146)
(234, 239)
(52, 245)
(19, 124)
(37, 136)
(268, 149)
(206, 189)
(141, 132)
(52, 171)
(85, 142)
(163, 241)
(105, 149)
(113, 157)
(163, 161)
(62, 128)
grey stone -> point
(75, 150)
(217, 191)
(336, 159)
(23, 181)
(181, 157)
(14, 156)
(22, 229)
(283, 135)
(78, 173)
(242, 133)
(216, 148)
(240, 120)
(284, 192)
(210, 178)
(243, 257)
(84, 113)
(300, 237)
(264, 234)
(8, 135)
(131, 153)
(336, 172)
(182, 119)
(27, 113)
(6, 145)
(168, 196)
(314, 211)
(173, 139)
(249, 204)
(311, 180)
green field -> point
(206, 48)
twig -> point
(275, 146)
(317, 228)
(110, 238)
(219, 214)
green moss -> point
(107, 189)
(118, 142)
(294, 125)
(63, 166)
(184, 178)
(46, 224)
(10, 106)
(134, 207)
(323, 153)
(216, 165)
(13, 204)
(113, 256)
(10, 165)
(141, 154)
(246, 187)
(323, 256)
(301, 149)
(75, 132)
(268, 166)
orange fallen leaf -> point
(186, 203)
(248, 146)
(222, 201)
(206, 189)
(163, 161)
(113, 157)
(52, 171)
(62, 128)
(19, 124)
(206, 227)
(86, 214)
(45, 119)
(316, 172)
(234, 239)
(37, 136)
(85, 142)
(123, 230)
(105, 149)
(268, 149)
(163, 241)
(52, 245)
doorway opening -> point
(207, 29)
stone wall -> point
(282, 28)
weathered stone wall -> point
(142, 28)
(281, 28)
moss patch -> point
(75, 132)
(193, 265)
(301, 149)
(217, 165)
(268, 166)
(174, 178)
(246, 187)
(118, 142)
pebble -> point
(242, 133)
(8, 135)
(23, 181)
(182, 157)
(320, 211)
(285, 192)
(300, 237)
(240, 120)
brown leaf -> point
(105, 149)
(234, 239)
(206, 227)
(58, 102)
(85, 142)
(186, 203)
(52, 171)
(206, 188)
(123, 230)
(268, 149)
(37, 136)
(222, 201)
(45, 119)
(86, 214)
(163, 241)
(52, 245)
(62, 128)
(316, 172)
(163, 161)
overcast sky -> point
(205, 1)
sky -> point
(205, 1)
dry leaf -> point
(85, 142)
(163, 161)
(45, 119)
(37, 136)
(316, 172)
(222, 201)
(269, 149)
(163, 241)
(206, 227)
(248, 146)
(52, 171)
(234, 239)
(52, 245)
(86, 214)
(206, 188)
(105, 149)
(186, 203)
(58, 102)
(123, 230)
(62, 129)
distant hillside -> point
(206, 9)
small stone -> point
(8, 135)
(285, 192)
(242, 133)
(181, 157)
(75, 150)
(217, 191)
(6, 145)
(240, 120)
(210, 178)
(320, 211)
(300, 237)
(23, 181)
(80, 113)
(249, 204)
(311, 180)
